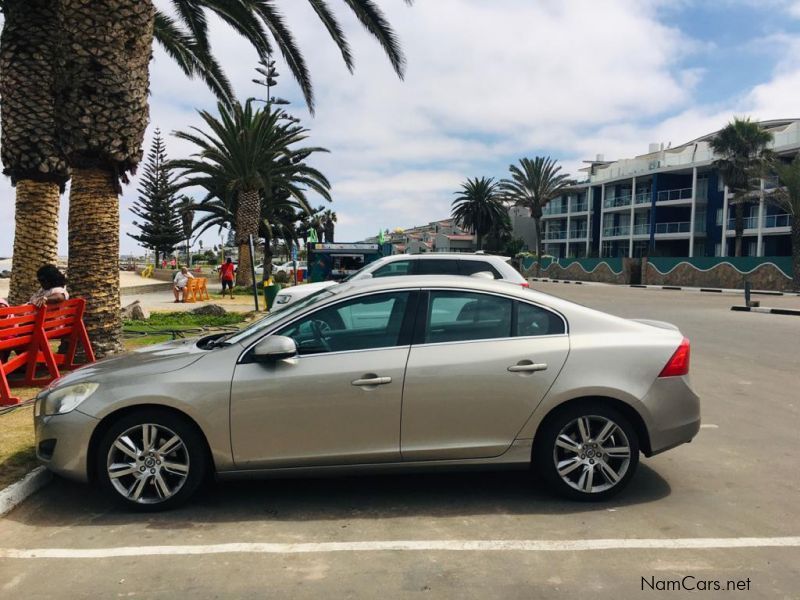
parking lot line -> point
(411, 546)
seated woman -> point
(180, 282)
(53, 286)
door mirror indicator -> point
(273, 348)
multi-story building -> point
(668, 202)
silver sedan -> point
(384, 375)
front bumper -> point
(62, 443)
(673, 413)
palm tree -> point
(103, 111)
(478, 207)
(186, 207)
(329, 220)
(30, 152)
(246, 156)
(742, 148)
(788, 199)
(533, 184)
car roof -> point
(448, 256)
(439, 281)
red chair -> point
(62, 321)
(20, 328)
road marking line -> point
(412, 546)
(709, 426)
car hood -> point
(152, 360)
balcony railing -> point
(770, 183)
(579, 207)
(676, 194)
(749, 223)
(674, 227)
(617, 231)
(576, 234)
(641, 229)
(643, 197)
(555, 235)
(617, 201)
(770, 222)
(554, 209)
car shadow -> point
(65, 503)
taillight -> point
(679, 363)
(525, 284)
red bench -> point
(26, 332)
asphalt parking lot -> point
(722, 508)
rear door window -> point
(462, 316)
(534, 320)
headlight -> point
(283, 299)
(63, 400)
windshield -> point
(277, 315)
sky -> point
(489, 82)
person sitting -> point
(53, 286)
(226, 274)
(180, 281)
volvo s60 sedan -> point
(400, 373)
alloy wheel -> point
(592, 454)
(148, 463)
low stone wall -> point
(763, 273)
(605, 270)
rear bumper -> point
(673, 413)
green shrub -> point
(281, 277)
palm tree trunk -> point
(538, 228)
(479, 241)
(796, 252)
(94, 255)
(248, 213)
(738, 229)
(36, 236)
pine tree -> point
(161, 227)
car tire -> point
(576, 463)
(153, 473)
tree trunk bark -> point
(94, 255)
(796, 252)
(738, 229)
(248, 213)
(537, 228)
(35, 238)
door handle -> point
(371, 381)
(527, 367)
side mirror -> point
(274, 348)
(365, 276)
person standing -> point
(227, 271)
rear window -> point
(470, 267)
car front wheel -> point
(587, 452)
(151, 460)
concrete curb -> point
(715, 290)
(16, 493)
(146, 289)
(764, 309)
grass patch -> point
(183, 320)
(17, 454)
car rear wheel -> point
(151, 460)
(587, 452)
